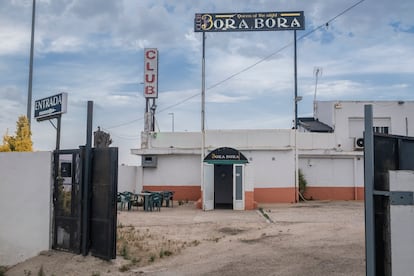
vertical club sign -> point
(151, 73)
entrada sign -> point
(258, 21)
(50, 107)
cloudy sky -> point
(93, 50)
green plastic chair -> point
(155, 201)
(168, 196)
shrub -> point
(302, 183)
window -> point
(383, 130)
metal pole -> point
(172, 121)
(296, 120)
(369, 192)
(58, 132)
(203, 85)
(203, 95)
(296, 82)
(317, 71)
(153, 107)
(29, 90)
(147, 116)
(86, 199)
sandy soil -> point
(312, 238)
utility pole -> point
(317, 71)
(29, 91)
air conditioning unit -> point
(359, 143)
(149, 161)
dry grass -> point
(142, 247)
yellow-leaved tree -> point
(22, 141)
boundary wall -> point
(25, 205)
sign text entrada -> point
(258, 21)
(51, 106)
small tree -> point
(22, 141)
(302, 184)
(6, 146)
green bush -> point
(302, 183)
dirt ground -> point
(312, 238)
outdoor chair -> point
(155, 201)
(123, 199)
(135, 201)
(168, 196)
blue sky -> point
(95, 52)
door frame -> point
(208, 187)
(238, 199)
(222, 156)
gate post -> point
(86, 181)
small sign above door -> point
(225, 155)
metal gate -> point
(391, 152)
(84, 214)
(104, 179)
(67, 201)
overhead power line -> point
(248, 67)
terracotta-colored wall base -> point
(199, 203)
(267, 195)
(275, 195)
(192, 193)
(335, 193)
(249, 203)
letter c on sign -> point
(151, 54)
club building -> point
(243, 168)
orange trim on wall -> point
(192, 193)
(249, 201)
(275, 195)
(335, 193)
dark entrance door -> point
(67, 201)
(223, 186)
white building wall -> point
(328, 172)
(129, 178)
(174, 170)
(178, 142)
(316, 141)
(325, 112)
(272, 169)
(338, 114)
(250, 139)
(25, 205)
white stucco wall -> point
(402, 225)
(174, 170)
(272, 169)
(129, 178)
(25, 204)
(337, 114)
(332, 172)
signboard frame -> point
(151, 73)
(50, 107)
(252, 21)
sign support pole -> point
(296, 119)
(296, 80)
(203, 103)
(59, 118)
